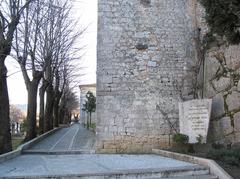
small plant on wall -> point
(180, 138)
(199, 139)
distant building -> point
(83, 91)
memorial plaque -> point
(194, 119)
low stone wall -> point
(25, 146)
(215, 169)
(128, 144)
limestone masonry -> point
(222, 85)
(145, 52)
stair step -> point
(58, 152)
(189, 177)
(167, 173)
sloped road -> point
(72, 139)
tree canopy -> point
(90, 104)
(223, 18)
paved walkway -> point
(37, 163)
(85, 164)
(73, 138)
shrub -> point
(218, 146)
(24, 126)
(223, 18)
(228, 156)
(93, 126)
(199, 139)
(180, 138)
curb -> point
(27, 145)
(59, 152)
(123, 173)
(30, 143)
(215, 169)
(10, 155)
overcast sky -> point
(86, 10)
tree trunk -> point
(69, 117)
(87, 120)
(48, 117)
(55, 115)
(32, 108)
(62, 109)
(5, 49)
(56, 109)
(42, 91)
(90, 117)
(61, 114)
(5, 135)
(18, 128)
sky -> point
(86, 12)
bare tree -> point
(10, 13)
(15, 115)
(27, 54)
(69, 103)
(42, 105)
(41, 45)
(60, 49)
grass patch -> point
(16, 141)
(93, 126)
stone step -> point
(189, 177)
(58, 152)
(167, 173)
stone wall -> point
(222, 84)
(144, 57)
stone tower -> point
(145, 51)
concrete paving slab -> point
(73, 138)
(49, 165)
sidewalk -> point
(85, 164)
(58, 156)
(73, 138)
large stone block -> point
(209, 91)
(233, 101)
(237, 139)
(218, 106)
(212, 66)
(222, 84)
(215, 131)
(237, 122)
(232, 55)
(238, 86)
(226, 125)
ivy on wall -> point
(223, 18)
